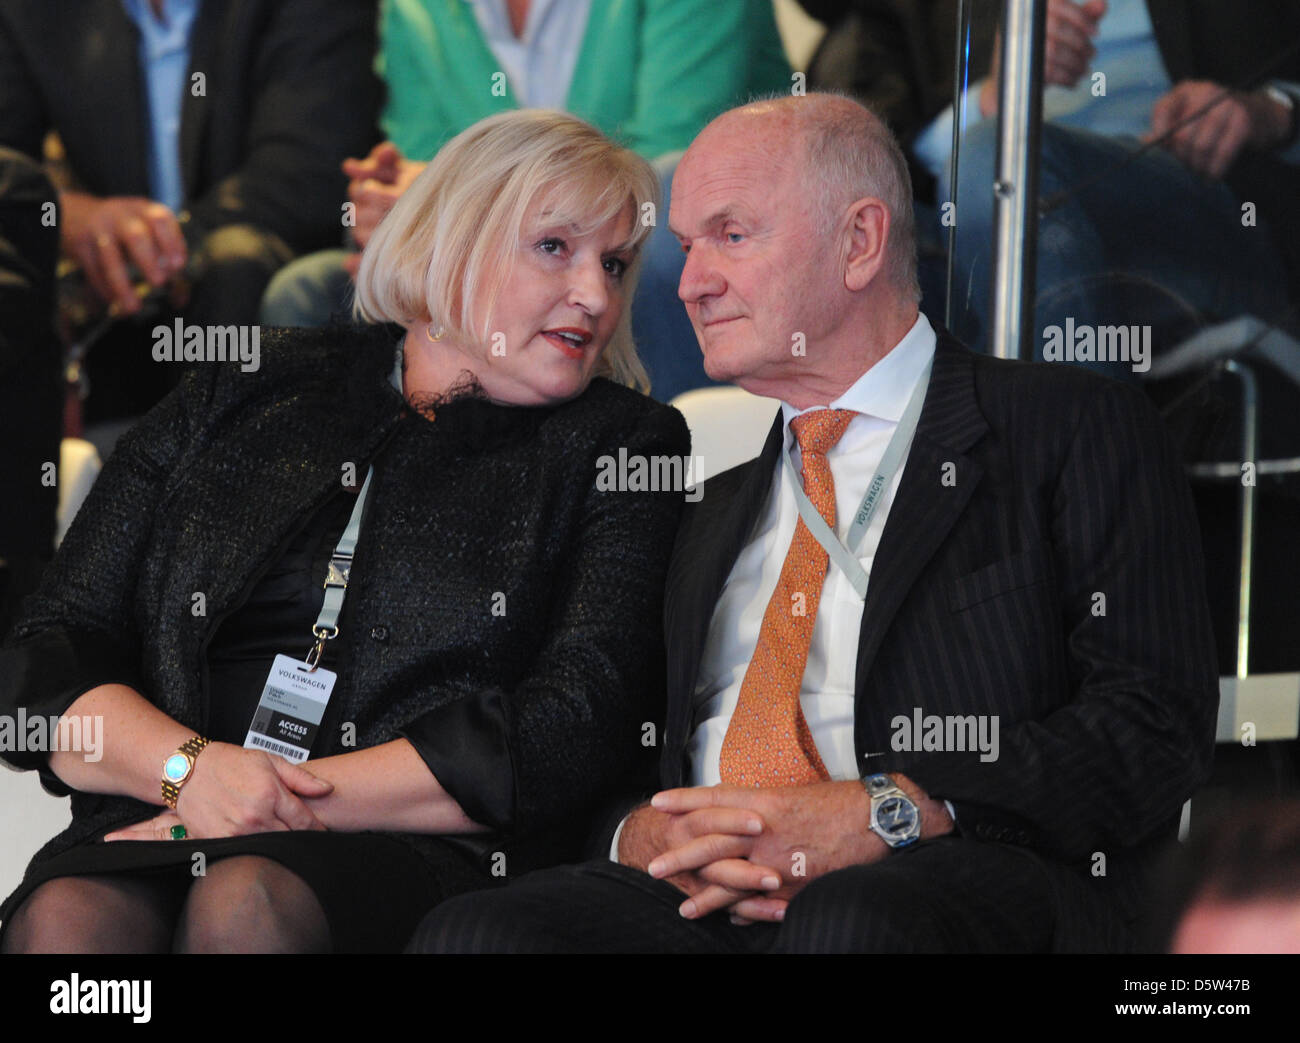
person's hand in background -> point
(374, 186)
(1211, 142)
(1067, 48)
(105, 236)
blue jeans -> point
(309, 290)
(1152, 243)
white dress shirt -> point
(879, 397)
(539, 63)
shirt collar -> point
(162, 38)
(883, 390)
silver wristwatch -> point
(894, 817)
(1288, 102)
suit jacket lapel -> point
(931, 494)
(118, 118)
(205, 36)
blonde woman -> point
(447, 696)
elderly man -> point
(947, 692)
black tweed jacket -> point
(503, 613)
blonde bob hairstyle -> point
(452, 236)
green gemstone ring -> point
(179, 833)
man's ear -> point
(868, 241)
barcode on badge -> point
(289, 752)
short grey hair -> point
(851, 153)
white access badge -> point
(291, 708)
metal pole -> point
(959, 84)
(1015, 193)
(1249, 451)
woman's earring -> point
(435, 337)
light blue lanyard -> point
(846, 557)
(326, 627)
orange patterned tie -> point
(768, 742)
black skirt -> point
(374, 888)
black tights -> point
(242, 904)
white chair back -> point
(79, 466)
(728, 426)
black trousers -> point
(946, 895)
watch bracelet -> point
(193, 746)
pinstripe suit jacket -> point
(1041, 563)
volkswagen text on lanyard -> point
(296, 692)
(845, 556)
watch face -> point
(897, 817)
(176, 767)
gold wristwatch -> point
(178, 768)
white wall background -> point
(28, 818)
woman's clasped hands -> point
(234, 792)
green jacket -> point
(650, 73)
